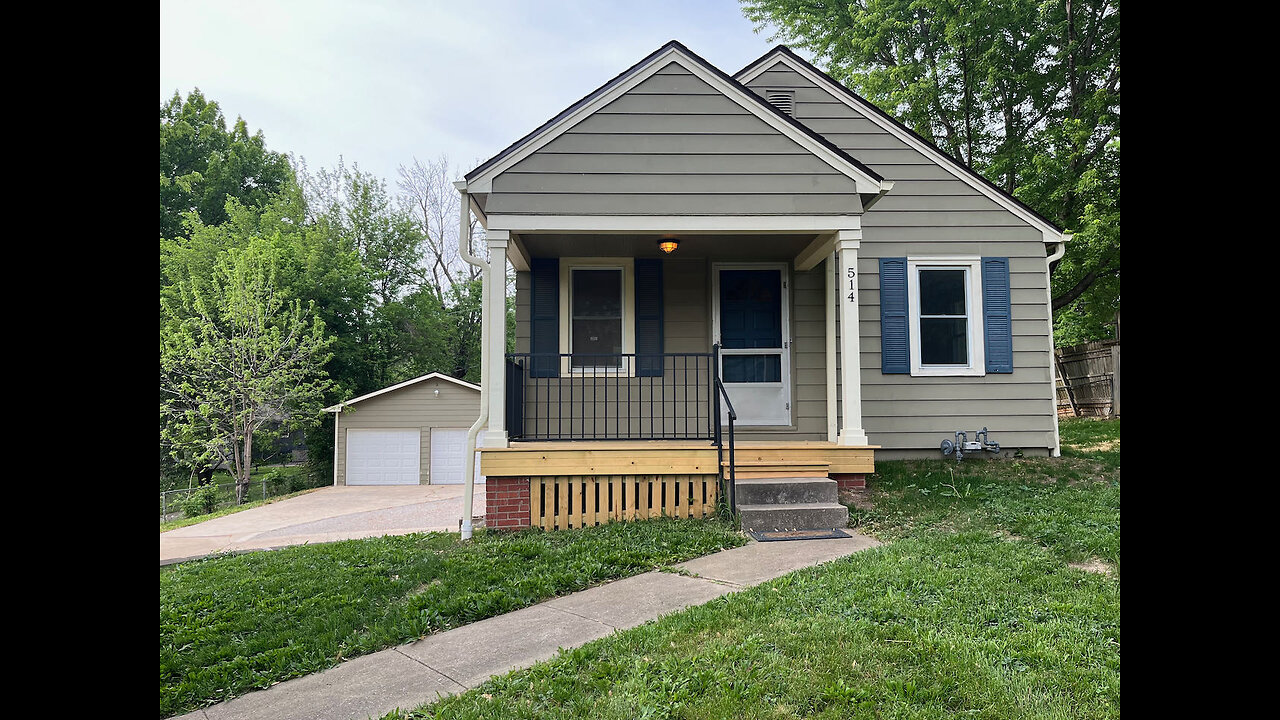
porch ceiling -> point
(725, 247)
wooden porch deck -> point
(665, 457)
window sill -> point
(948, 372)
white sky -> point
(380, 83)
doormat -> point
(781, 535)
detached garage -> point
(414, 433)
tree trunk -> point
(242, 482)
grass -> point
(1069, 505)
(231, 624)
(969, 610)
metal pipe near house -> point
(469, 460)
(1053, 257)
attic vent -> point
(784, 100)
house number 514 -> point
(853, 284)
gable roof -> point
(868, 180)
(1052, 231)
(406, 383)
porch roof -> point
(692, 246)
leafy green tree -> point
(237, 358)
(202, 163)
(1025, 92)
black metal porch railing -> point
(672, 396)
(577, 396)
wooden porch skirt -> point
(564, 485)
(559, 502)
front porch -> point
(561, 485)
(647, 384)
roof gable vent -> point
(784, 100)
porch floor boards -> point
(661, 457)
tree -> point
(434, 200)
(1027, 93)
(237, 357)
(202, 164)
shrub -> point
(202, 501)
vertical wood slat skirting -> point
(561, 502)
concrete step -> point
(793, 516)
(786, 490)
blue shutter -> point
(544, 318)
(648, 318)
(895, 350)
(996, 316)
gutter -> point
(469, 461)
(1050, 259)
(885, 187)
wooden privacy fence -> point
(559, 502)
(1088, 379)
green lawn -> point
(970, 610)
(233, 624)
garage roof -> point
(406, 383)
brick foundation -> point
(850, 481)
(506, 503)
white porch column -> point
(494, 334)
(851, 431)
(831, 271)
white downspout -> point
(1053, 371)
(469, 461)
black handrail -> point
(720, 391)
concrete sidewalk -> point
(456, 660)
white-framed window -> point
(945, 298)
(597, 315)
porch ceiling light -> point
(668, 244)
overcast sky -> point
(382, 82)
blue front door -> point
(752, 331)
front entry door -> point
(752, 324)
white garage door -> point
(383, 457)
(448, 448)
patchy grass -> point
(971, 610)
(1070, 505)
(231, 624)
(183, 522)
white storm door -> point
(383, 457)
(448, 449)
(753, 326)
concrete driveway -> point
(328, 514)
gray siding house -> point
(686, 241)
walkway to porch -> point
(453, 661)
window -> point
(597, 314)
(595, 298)
(945, 299)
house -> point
(686, 241)
(412, 433)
